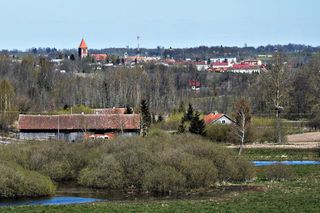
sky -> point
(168, 23)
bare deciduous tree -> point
(276, 83)
(241, 127)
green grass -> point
(300, 195)
(282, 154)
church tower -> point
(83, 49)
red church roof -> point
(83, 45)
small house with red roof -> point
(195, 85)
(245, 68)
(217, 118)
(99, 57)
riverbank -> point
(301, 194)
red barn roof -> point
(110, 111)
(83, 45)
(79, 122)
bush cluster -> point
(158, 163)
(219, 133)
(59, 160)
(17, 182)
(162, 163)
(279, 172)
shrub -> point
(314, 123)
(16, 182)
(135, 160)
(163, 179)
(219, 133)
(102, 173)
(59, 160)
(199, 173)
(129, 162)
(171, 123)
(264, 130)
(279, 172)
(7, 119)
(246, 170)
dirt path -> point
(300, 141)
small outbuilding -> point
(217, 118)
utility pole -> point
(58, 127)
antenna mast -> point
(138, 40)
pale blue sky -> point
(176, 23)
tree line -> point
(35, 86)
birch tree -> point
(241, 127)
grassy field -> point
(282, 154)
(299, 195)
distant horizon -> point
(166, 47)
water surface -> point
(269, 163)
(58, 200)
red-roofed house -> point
(217, 118)
(100, 57)
(245, 68)
(195, 85)
(77, 126)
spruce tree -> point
(181, 108)
(160, 118)
(129, 110)
(182, 127)
(197, 125)
(189, 116)
(146, 117)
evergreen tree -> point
(181, 107)
(197, 125)
(160, 118)
(129, 110)
(189, 116)
(146, 117)
(182, 127)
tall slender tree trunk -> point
(243, 132)
(278, 126)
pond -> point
(57, 200)
(269, 163)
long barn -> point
(77, 126)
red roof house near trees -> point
(195, 84)
(74, 127)
(217, 118)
